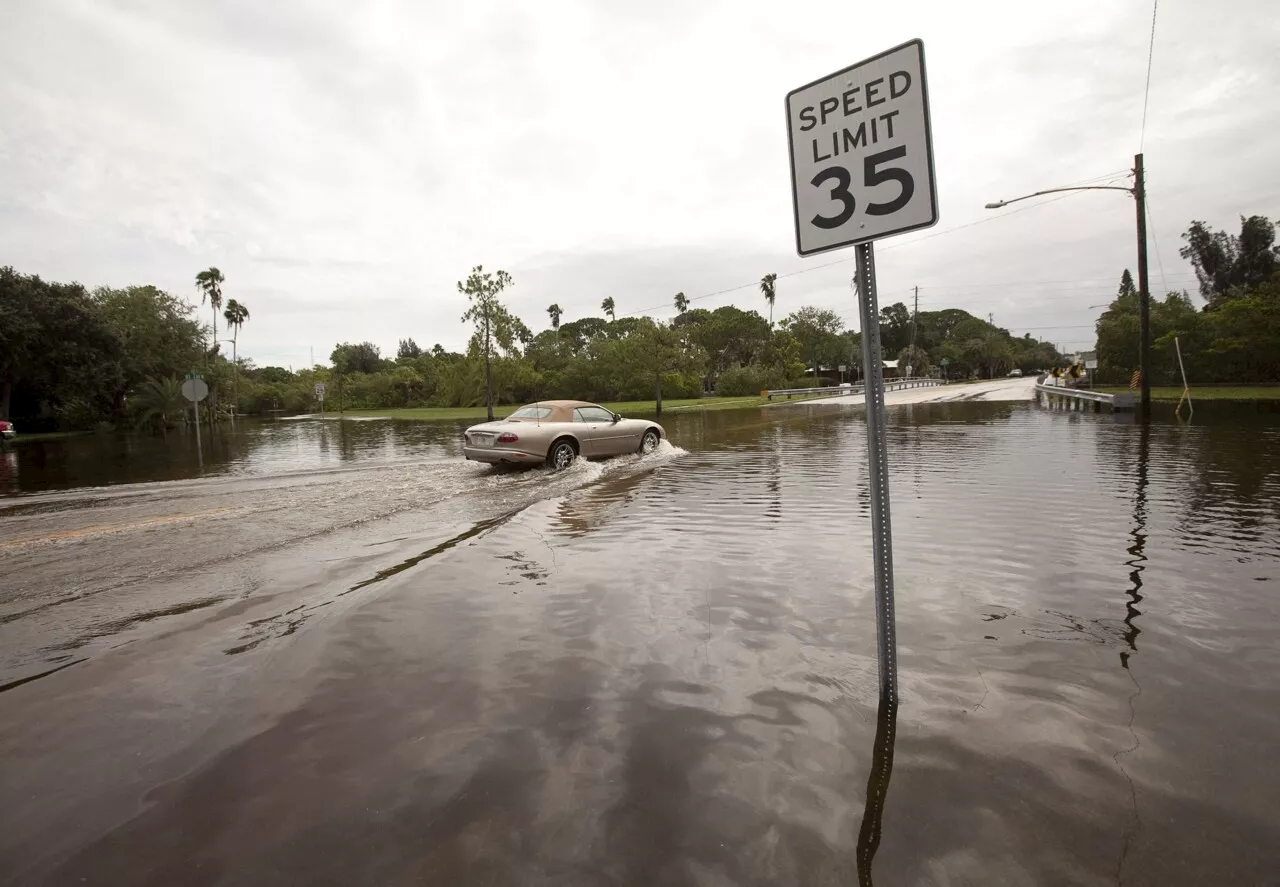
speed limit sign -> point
(862, 152)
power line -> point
(1146, 93)
(1159, 262)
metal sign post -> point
(861, 153)
(878, 472)
(195, 390)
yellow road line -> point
(65, 535)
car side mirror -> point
(617, 417)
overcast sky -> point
(344, 164)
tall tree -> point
(408, 350)
(57, 353)
(235, 315)
(895, 327)
(1224, 262)
(159, 334)
(489, 316)
(769, 286)
(365, 357)
(209, 282)
(817, 330)
(1126, 285)
(607, 307)
(682, 303)
(556, 313)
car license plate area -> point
(482, 440)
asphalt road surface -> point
(1004, 389)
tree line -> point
(74, 358)
(1233, 338)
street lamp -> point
(1139, 192)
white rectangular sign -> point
(319, 391)
(862, 152)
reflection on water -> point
(877, 786)
(655, 670)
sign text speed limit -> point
(862, 152)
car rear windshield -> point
(531, 413)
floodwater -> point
(335, 653)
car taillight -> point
(508, 437)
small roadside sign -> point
(320, 391)
(944, 361)
(862, 152)
(195, 390)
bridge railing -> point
(1123, 401)
(850, 390)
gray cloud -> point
(345, 164)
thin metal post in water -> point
(195, 414)
(878, 472)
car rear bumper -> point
(496, 455)
(8, 434)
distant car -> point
(7, 431)
(1015, 372)
(557, 432)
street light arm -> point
(1000, 203)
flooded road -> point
(343, 655)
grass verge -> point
(1240, 392)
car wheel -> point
(649, 442)
(561, 454)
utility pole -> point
(1144, 294)
(915, 314)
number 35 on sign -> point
(862, 152)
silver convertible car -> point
(557, 432)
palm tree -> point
(554, 310)
(682, 303)
(235, 315)
(607, 307)
(210, 285)
(155, 401)
(768, 286)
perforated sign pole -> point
(861, 153)
(878, 473)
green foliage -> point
(365, 357)
(158, 403)
(1227, 264)
(769, 289)
(60, 360)
(1236, 339)
(817, 330)
(916, 358)
(748, 381)
(408, 350)
(607, 307)
(158, 333)
(209, 282)
(895, 328)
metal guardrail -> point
(850, 390)
(1082, 395)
